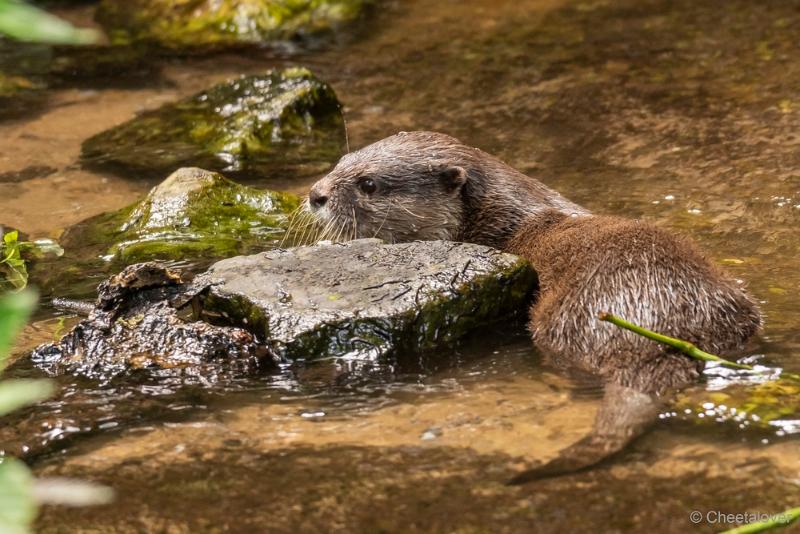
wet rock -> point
(218, 24)
(253, 125)
(192, 216)
(28, 173)
(364, 298)
(196, 213)
(136, 325)
(28, 70)
(15, 86)
(102, 66)
(21, 85)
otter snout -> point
(317, 199)
(317, 196)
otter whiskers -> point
(386, 216)
(293, 221)
(400, 205)
(303, 228)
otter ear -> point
(452, 178)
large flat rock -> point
(366, 298)
(362, 299)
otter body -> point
(591, 264)
(423, 185)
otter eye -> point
(367, 185)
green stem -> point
(780, 520)
(684, 346)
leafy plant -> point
(17, 503)
(14, 253)
(13, 273)
(781, 520)
(24, 22)
(20, 492)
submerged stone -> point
(772, 405)
(29, 70)
(254, 125)
(192, 216)
(216, 24)
(365, 298)
(21, 82)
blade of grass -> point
(24, 22)
(780, 520)
(15, 308)
(18, 393)
(690, 349)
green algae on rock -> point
(208, 24)
(196, 213)
(255, 126)
(773, 405)
(192, 216)
(366, 299)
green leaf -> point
(27, 23)
(12, 266)
(781, 520)
(17, 506)
(15, 308)
(11, 237)
(18, 393)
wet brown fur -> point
(637, 271)
(431, 186)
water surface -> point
(685, 113)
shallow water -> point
(684, 113)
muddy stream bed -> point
(685, 113)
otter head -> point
(403, 188)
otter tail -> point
(624, 415)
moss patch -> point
(773, 405)
(221, 23)
(254, 125)
(194, 216)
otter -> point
(426, 185)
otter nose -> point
(317, 198)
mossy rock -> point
(255, 126)
(214, 24)
(192, 217)
(773, 405)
